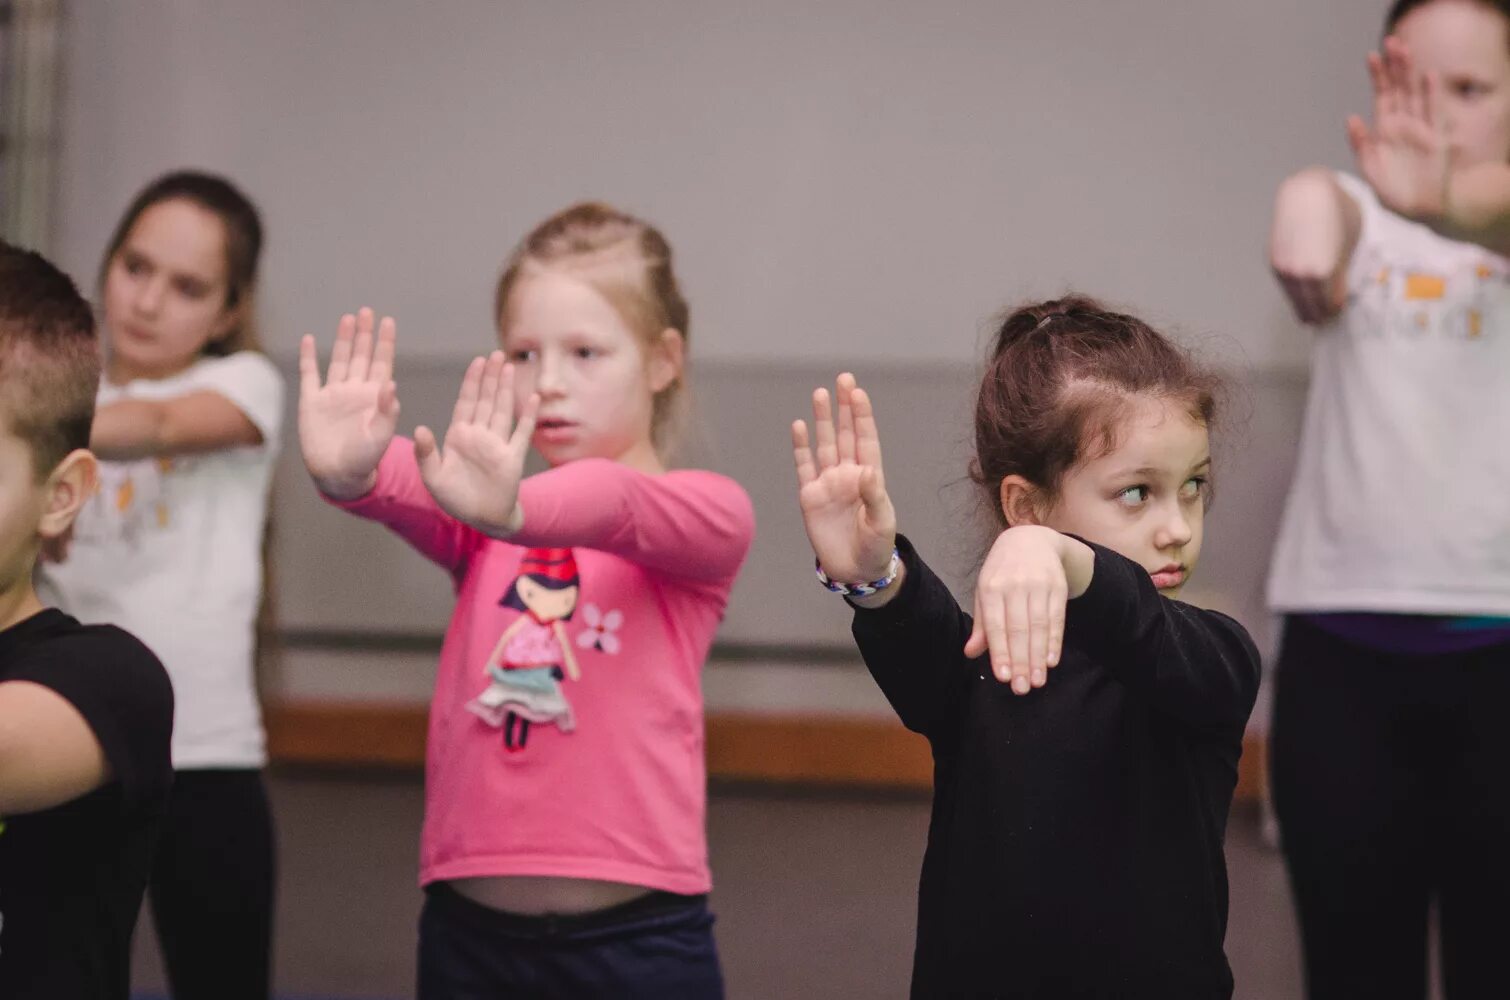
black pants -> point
(212, 886)
(657, 947)
(1391, 782)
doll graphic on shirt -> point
(525, 668)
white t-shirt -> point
(170, 549)
(1401, 496)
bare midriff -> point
(539, 895)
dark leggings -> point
(212, 886)
(1391, 781)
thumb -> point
(872, 491)
(388, 402)
(1357, 134)
(426, 452)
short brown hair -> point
(1057, 385)
(49, 358)
(627, 261)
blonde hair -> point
(627, 261)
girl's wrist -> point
(510, 526)
(347, 489)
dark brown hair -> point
(627, 261)
(1058, 383)
(1402, 7)
(49, 358)
(243, 244)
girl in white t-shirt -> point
(1389, 743)
(170, 548)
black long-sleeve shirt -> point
(1075, 848)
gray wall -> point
(846, 184)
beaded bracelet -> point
(862, 589)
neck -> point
(18, 605)
(643, 457)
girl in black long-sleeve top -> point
(1075, 848)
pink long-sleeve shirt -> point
(617, 788)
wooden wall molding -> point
(819, 750)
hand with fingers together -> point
(1029, 575)
(346, 424)
(842, 491)
(475, 475)
(1405, 156)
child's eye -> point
(191, 289)
(1194, 488)
(135, 266)
(1468, 88)
(1133, 496)
(586, 353)
(521, 355)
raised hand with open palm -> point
(475, 475)
(842, 489)
(347, 422)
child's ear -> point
(667, 359)
(1020, 501)
(68, 487)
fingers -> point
(1038, 636)
(503, 403)
(1058, 599)
(361, 351)
(843, 392)
(487, 393)
(525, 429)
(466, 397)
(1386, 97)
(867, 435)
(1401, 76)
(1018, 630)
(340, 354)
(1430, 91)
(993, 615)
(309, 367)
(823, 426)
(383, 351)
(807, 470)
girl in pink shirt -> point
(564, 851)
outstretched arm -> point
(48, 753)
(1311, 241)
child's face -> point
(1147, 498)
(548, 605)
(1467, 45)
(165, 291)
(570, 345)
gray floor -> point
(815, 893)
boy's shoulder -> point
(105, 661)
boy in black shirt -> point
(85, 712)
